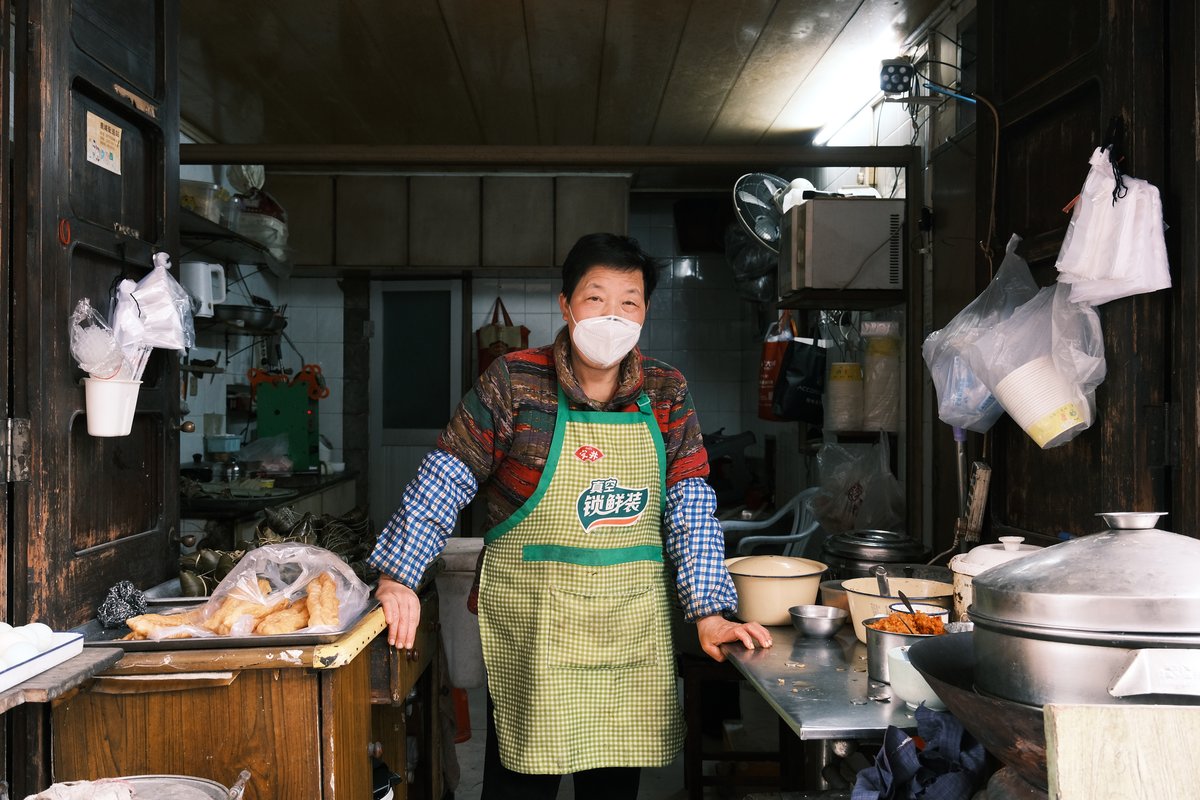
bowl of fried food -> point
(897, 629)
(865, 600)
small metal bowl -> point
(1131, 520)
(818, 622)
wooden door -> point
(95, 171)
(1058, 73)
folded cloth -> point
(948, 767)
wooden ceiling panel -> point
(489, 39)
(795, 38)
(565, 55)
(425, 83)
(717, 40)
(635, 71)
(511, 72)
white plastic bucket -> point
(1043, 403)
(110, 405)
(460, 628)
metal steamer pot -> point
(852, 554)
(1108, 618)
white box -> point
(62, 646)
(842, 243)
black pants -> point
(501, 783)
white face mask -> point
(605, 340)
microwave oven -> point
(842, 243)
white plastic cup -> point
(1042, 402)
(844, 397)
(109, 406)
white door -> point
(416, 380)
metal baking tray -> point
(96, 635)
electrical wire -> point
(986, 245)
(952, 40)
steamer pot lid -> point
(774, 567)
(871, 545)
(1120, 581)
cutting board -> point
(1117, 752)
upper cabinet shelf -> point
(201, 237)
(842, 299)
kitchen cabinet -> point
(443, 221)
(371, 223)
(518, 222)
(586, 204)
(308, 201)
(303, 720)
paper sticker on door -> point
(606, 502)
(103, 143)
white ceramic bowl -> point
(928, 609)
(908, 684)
(865, 602)
(767, 586)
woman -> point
(593, 466)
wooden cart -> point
(304, 720)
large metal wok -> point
(1012, 732)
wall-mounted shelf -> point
(842, 299)
(202, 237)
(222, 326)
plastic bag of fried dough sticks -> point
(274, 589)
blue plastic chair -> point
(789, 540)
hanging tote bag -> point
(801, 382)
(774, 347)
(495, 339)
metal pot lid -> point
(870, 545)
(1119, 581)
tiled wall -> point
(314, 311)
(696, 321)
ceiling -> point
(530, 72)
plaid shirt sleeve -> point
(696, 546)
(417, 533)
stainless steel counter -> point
(820, 686)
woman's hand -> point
(401, 610)
(715, 630)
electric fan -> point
(758, 202)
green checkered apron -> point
(574, 605)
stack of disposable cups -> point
(844, 397)
(1047, 406)
(881, 377)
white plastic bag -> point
(964, 400)
(274, 575)
(858, 490)
(1043, 364)
(1114, 246)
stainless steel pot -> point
(852, 554)
(1109, 618)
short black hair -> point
(608, 250)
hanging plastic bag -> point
(801, 382)
(165, 308)
(1044, 364)
(1114, 246)
(964, 400)
(774, 348)
(93, 343)
(858, 490)
(496, 339)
